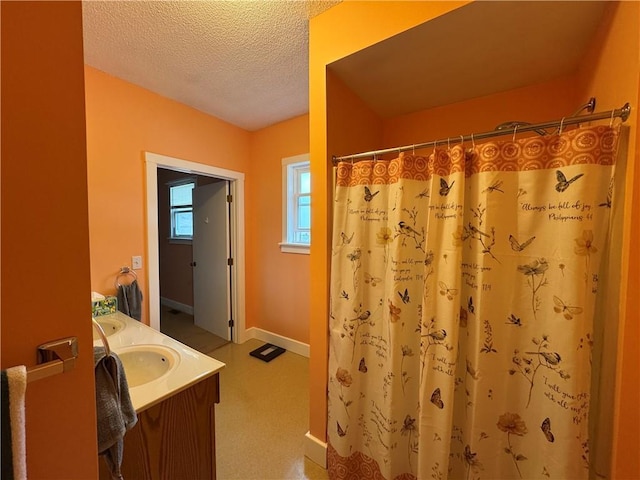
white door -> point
(211, 289)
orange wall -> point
(351, 125)
(124, 121)
(614, 60)
(277, 296)
(628, 396)
(535, 103)
(45, 232)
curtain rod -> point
(622, 113)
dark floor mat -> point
(267, 352)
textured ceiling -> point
(245, 62)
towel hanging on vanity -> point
(115, 412)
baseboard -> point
(287, 343)
(167, 302)
(315, 450)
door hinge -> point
(231, 323)
(230, 261)
(229, 198)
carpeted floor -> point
(179, 325)
(263, 416)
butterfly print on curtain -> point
(493, 259)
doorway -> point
(217, 183)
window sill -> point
(180, 241)
(294, 248)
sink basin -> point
(146, 363)
(109, 325)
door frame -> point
(153, 161)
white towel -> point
(14, 387)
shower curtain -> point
(463, 286)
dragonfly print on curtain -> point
(463, 287)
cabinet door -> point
(174, 439)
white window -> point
(296, 204)
(181, 210)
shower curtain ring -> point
(414, 148)
(448, 145)
(611, 122)
(515, 130)
(473, 142)
(561, 126)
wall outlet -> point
(136, 262)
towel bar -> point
(124, 271)
(44, 370)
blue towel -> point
(114, 409)
(130, 300)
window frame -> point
(291, 167)
(186, 239)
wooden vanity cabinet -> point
(174, 439)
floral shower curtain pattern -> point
(462, 299)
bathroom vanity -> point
(174, 439)
(174, 390)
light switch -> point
(136, 262)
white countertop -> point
(191, 368)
